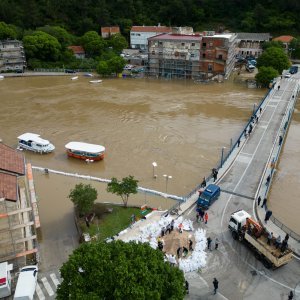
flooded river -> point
(180, 125)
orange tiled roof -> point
(76, 49)
(11, 160)
(8, 187)
(161, 29)
(111, 29)
(284, 38)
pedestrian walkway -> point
(46, 286)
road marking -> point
(244, 153)
(192, 208)
(237, 194)
(39, 292)
(54, 279)
(47, 286)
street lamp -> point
(167, 179)
(154, 164)
(222, 156)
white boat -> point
(74, 78)
(88, 75)
(95, 81)
(1, 77)
(88, 152)
(33, 142)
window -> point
(203, 45)
(211, 44)
(192, 55)
(193, 44)
(153, 52)
(160, 43)
(220, 56)
(203, 55)
(182, 44)
(210, 67)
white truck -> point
(244, 228)
(5, 279)
(26, 283)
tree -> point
(83, 196)
(92, 43)
(7, 31)
(127, 186)
(274, 57)
(119, 270)
(276, 44)
(294, 48)
(118, 43)
(41, 45)
(265, 75)
(116, 64)
(103, 68)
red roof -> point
(11, 160)
(111, 29)
(177, 37)
(76, 49)
(284, 38)
(161, 29)
(8, 187)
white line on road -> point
(54, 279)
(47, 286)
(39, 292)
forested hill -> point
(80, 16)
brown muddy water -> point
(178, 124)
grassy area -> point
(109, 220)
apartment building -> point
(195, 56)
(12, 56)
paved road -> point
(240, 275)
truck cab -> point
(238, 220)
(209, 195)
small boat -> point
(1, 77)
(33, 142)
(74, 78)
(95, 81)
(88, 75)
(88, 152)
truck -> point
(26, 284)
(5, 279)
(245, 229)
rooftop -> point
(168, 36)
(284, 38)
(161, 29)
(110, 29)
(76, 49)
(8, 187)
(252, 36)
(11, 160)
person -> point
(258, 200)
(216, 243)
(250, 129)
(270, 238)
(172, 260)
(187, 287)
(203, 184)
(278, 242)
(238, 143)
(163, 231)
(286, 237)
(216, 285)
(209, 243)
(268, 179)
(190, 245)
(185, 251)
(172, 225)
(278, 87)
(197, 217)
(264, 202)
(283, 246)
(168, 229)
(268, 215)
(132, 218)
(215, 174)
(291, 296)
(206, 218)
(260, 110)
(245, 133)
(280, 140)
(180, 226)
(178, 252)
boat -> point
(88, 75)
(88, 152)
(74, 78)
(1, 77)
(33, 142)
(95, 81)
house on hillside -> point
(285, 39)
(194, 56)
(78, 51)
(107, 32)
(250, 44)
(12, 56)
(139, 35)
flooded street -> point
(180, 125)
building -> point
(107, 32)
(285, 39)
(250, 44)
(78, 51)
(18, 213)
(139, 35)
(12, 56)
(192, 56)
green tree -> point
(83, 196)
(276, 44)
(118, 43)
(274, 57)
(294, 48)
(117, 64)
(7, 31)
(127, 186)
(41, 45)
(92, 43)
(265, 76)
(119, 270)
(103, 68)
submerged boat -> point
(74, 78)
(95, 81)
(88, 75)
(1, 77)
(33, 142)
(88, 152)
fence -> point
(58, 70)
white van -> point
(26, 283)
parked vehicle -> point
(293, 69)
(5, 279)
(245, 229)
(26, 284)
(33, 142)
(287, 75)
(70, 71)
(208, 196)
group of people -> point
(201, 215)
(209, 243)
(277, 242)
(168, 229)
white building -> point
(139, 35)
